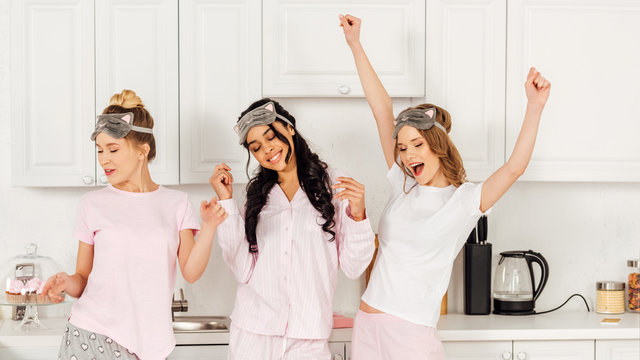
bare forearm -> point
(523, 148)
(199, 255)
(75, 285)
(377, 98)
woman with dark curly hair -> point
(286, 250)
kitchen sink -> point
(182, 324)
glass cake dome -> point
(23, 278)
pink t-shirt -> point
(128, 293)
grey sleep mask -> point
(117, 126)
(263, 115)
(422, 119)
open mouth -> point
(417, 168)
(109, 171)
(275, 158)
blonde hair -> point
(442, 146)
(128, 101)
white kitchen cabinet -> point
(137, 49)
(618, 349)
(29, 352)
(52, 93)
(199, 352)
(465, 75)
(219, 78)
(338, 350)
(478, 350)
(553, 350)
(590, 52)
(305, 53)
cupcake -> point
(16, 293)
(32, 286)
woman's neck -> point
(288, 179)
(140, 182)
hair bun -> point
(127, 99)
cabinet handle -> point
(87, 180)
(103, 179)
(506, 355)
(344, 89)
(522, 355)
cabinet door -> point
(137, 49)
(29, 353)
(199, 352)
(478, 350)
(590, 52)
(219, 78)
(305, 53)
(617, 349)
(466, 45)
(337, 350)
(553, 350)
(52, 92)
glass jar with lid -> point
(634, 285)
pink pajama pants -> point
(244, 345)
(387, 337)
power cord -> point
(583, 299)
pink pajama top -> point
(135, 239)
(287, 288)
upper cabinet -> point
(137, 48)
(304, 52)
(590, 52)
(219, 78)
(465, 75)
(52, 93)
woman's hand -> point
(354, 192)
(221, 181)
(537, 88)
(351, 27)
(212, 213)
(54, 286)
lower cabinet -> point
(200, 352)
(618, 349)
(478, 350)
(339, 350)
(29, 353)
(520, 350)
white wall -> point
(587, 231)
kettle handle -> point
(532, 256)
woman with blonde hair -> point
(130, 234)
(430, 213)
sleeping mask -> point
(263, 115)
(117, 126)
(423, 119)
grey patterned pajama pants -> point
(80, 344)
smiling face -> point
(121, 159)
(416, 156)
(268, 149)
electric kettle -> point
(514, 287)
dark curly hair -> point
(312, 174)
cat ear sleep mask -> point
(117, 126)
(263, 115)
(422, 119)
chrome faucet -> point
(181, 305)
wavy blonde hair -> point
(442, 146)
(128, 101)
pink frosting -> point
(33, 285)
(16, 287)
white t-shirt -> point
(420, 235)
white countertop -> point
(552, 326)
(453, 327)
